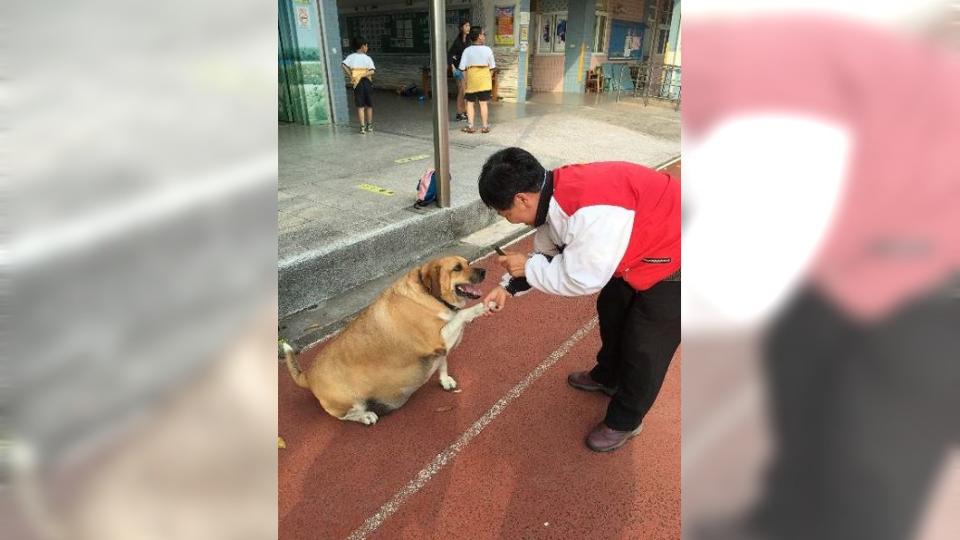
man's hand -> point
(498, 297)
(514, 263)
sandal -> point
(485, 130)
(469, 129)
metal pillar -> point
(441, 114)
(331, 64)
(658, 7)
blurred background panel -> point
(139, 263)
(821, 290)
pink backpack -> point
(426, 188)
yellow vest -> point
(479, 79)
(358, 73)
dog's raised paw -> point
(369, 418)
(448, 383)
(476, 310)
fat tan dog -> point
(393, 347)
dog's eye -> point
(458, 268)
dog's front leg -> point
(446, 381)
(453, 330)
(451, 333)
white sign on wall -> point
(303, 17)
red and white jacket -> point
(603, 220)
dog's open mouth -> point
(468, 290)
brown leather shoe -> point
(604, 439)
(582, 380)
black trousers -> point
(862, 416)
(639, 334)
(363, 93)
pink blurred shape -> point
(895, 234)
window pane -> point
(545, 34)
(602, 33)
(599, 29)
(596, 35)
(560, 37)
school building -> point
(556, 46)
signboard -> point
(504, 18)
(303, 17)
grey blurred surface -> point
(139, 244)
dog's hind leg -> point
(359, 413)
(381, 408)
(356, 412)
(446, 381)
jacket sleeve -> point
(455, 52)
(452, 52)
(542, 244)
(595, 241)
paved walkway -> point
(324, 170)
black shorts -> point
(478, 96)
(363, 93)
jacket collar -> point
(546, 193)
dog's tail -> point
(291, 356)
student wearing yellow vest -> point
(359, 68)
(477, 62)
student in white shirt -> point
(477, 62)
(359, 70)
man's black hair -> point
(474, 34)
(506, 173)
(358, 43)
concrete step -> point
(307, 326)
(315, 275)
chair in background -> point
(594, 81)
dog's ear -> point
(430, 277)
(437, 276)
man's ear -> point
(525, 198)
